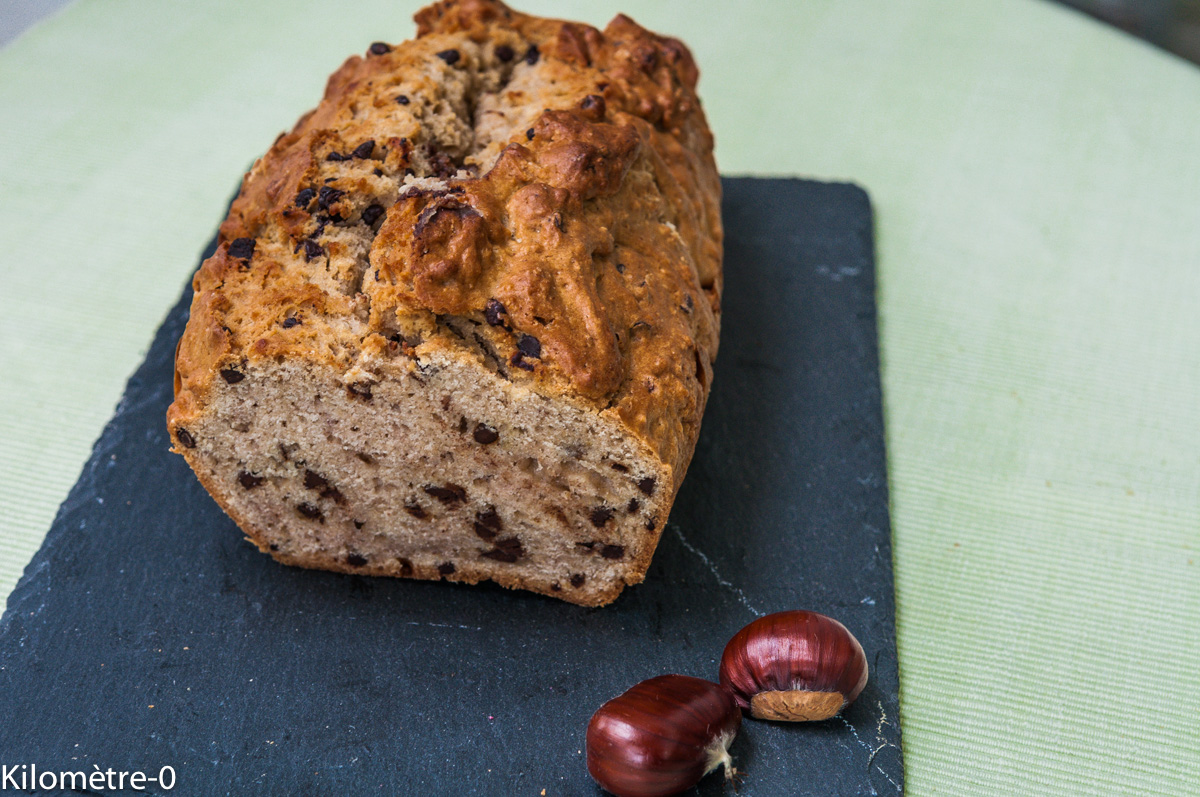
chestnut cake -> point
(461, 320)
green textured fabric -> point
(1036, 180)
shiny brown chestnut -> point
(795, 666)
(662, 736)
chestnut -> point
(662, 736)
(794, 666)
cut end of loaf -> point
(448, 479)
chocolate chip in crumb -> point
(273, 547)
(504, 53)
(415, 509)
(449, 495)
(612, 551)
(371, 214)
(634, 505)
(531, 55)
(646, 485)
(555, 587)
(290, 321)
(379, 48)
(494, 311)
(462, 424)
(310, 511)
(620, 267)
(242, 248)
(406, 567)
(488, 523)
(328, 196)
(450, 56)
(402, 99)
(378, 172)
(304, 197)
(232, 376)
(360, 389)
(314, 481)
(485, 435)
(249, 481)
(364, 149)
(529, 134)
(336, 157)
(518, 360)
(312, 249)
(356, 560)
(619, 468)
(601, 515)
(446, 568)
(577, 580)
(185, 438)
(358, 524)
(651, 524)
(507, 549)
(530, 346)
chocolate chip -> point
(651, 524)
(529, 134)
(507, 549)
(364, 149)
(334, 494)
(530, 346)
(634, 505)
(591, 546)
(485, 435)
(531, 55)
(402, 99)
(601, 515)
(378, 172)
(232, 376)
(555, 587)
(494, 311)
(356, 560)
(336, 157)
(242, 248)
(518, 360)
(488, 523)
(415, 509)
(314, 481)
(185, 438)
(371, 214)
(620, 267)
(619, 468)
(504, 53)
(327, 196)
(290, 321)
(406, 567)
(449, 495)
(577, 580)
(249, 481)
(358, 524)
(360, 389)
(593, 102)
(446, 568)
(312, 249)
(449, 56)
(274, 547)
(310, 511)
(462, 424)
(304, 197)
(380, 48)
(612, 551)
(646, 485)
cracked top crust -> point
(540, 193)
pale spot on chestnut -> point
(794, 666)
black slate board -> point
(147, 633)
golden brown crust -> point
(551, 180)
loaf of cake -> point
(461, 320)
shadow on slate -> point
(146, 632)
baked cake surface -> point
(461, 320)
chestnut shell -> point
(661, 736)
(794, 665)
